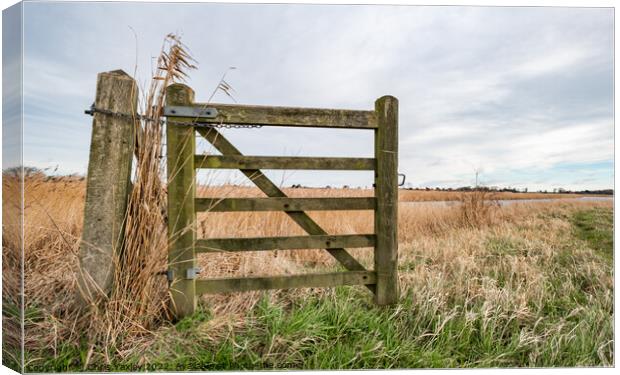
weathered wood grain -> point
(284, 243)
(287, 116)
(285, 282)
(386, 192)
(282, 162)
(284, 204)
(272, 190)
(107, 185)
(181, 215)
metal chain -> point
(138, 116)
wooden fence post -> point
(108, 183)
(386, 192)
(181, 146)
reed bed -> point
(445, 257)
(404, 195)
(431, 195)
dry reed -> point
(139, 299)
(11, 266)
(53, 222)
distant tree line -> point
(34, 172)
(44, 173)
(515, 190)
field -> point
(482, 285)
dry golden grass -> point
(11, 268)
(138, 298)
(403, 195)
(445, 236)
(423, 195)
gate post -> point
(107, 185)
(181, 214)
(386, 192)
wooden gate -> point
(182, 203)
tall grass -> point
(519, 291)
(517, 267)
(139, 299)
(11, 268)
(53, 223)
(478, 208)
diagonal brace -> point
(272, 190)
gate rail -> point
(182, 163)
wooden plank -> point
(272, 190)
(386, 192)
(285, 243)
(284, 204)
(286, 116)
(181, 216)
(321, 280)
(107, 185)
(282, 162)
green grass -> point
(571, 325)
(345, 332)
(596, 227)
(11, 350)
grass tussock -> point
(139, 299)
(53, 215)
(478, 208)
(596, 227)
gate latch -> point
(403, 176)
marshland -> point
(482, 285)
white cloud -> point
(493, 88)
(558, 60)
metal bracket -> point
(187, 111)
(91, 110)
(192, 273)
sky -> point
(11, 88)
(523, 96)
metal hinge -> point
(192, 273)
(187, 111)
